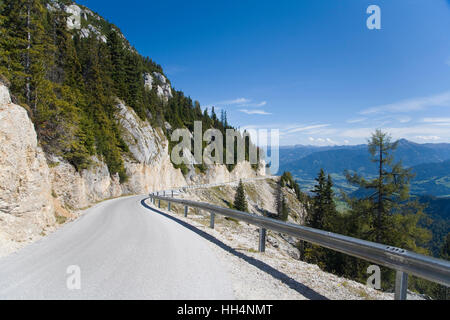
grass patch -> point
(60, 219)
(232, 219)
(363, 293)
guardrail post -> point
(401, 286)
(169, 206)
(186, 209)
(262, 240)
(159, 204)
(172, 193)
(213, 216)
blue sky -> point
(309, 68)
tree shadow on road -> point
(292, 283)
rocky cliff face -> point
(148, 167)
(163, 87)
(36, 187)
(26, 203)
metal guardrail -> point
(212, 185)
(403, 261)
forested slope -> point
(68, 73)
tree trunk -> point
(380, 195)
(27, 59)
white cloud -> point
(308, 128)
(330, 141)
(240, 102)
(322, 141)
(253, 112)
(404, 119)
(439, 100)
(235, 101)
(356, 120)
(436, 120)
(256, 105)
(428, 138)
(409, 132)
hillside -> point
(279, 273)
(85, 118)
(428, 162)
(76, 66)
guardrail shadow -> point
(307, 292)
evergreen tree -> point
(69, 84)
(445, 251)
(322, 215)
(315, 218)
(387, 202)
(240, 201)
(213, 116)
(330, 216)
(386, 215)
(288, 181)
(284, 210)
(226, 120)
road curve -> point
(124, 251)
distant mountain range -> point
(430, 162)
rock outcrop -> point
(26, 203)
(163, 88)
(74, 19)
(36, 187)
(151, 168)
(78, 190)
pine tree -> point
(240, 201)
(386, 215)
(117, 56)
(330, 216)
(226, 120)
(445, 251)
(387, 203)
(322, 215)
(4, 42)
(315, 218)
(69, 84)
(26, 49)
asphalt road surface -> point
(117, 250)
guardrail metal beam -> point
(262, 240)
(411, 263)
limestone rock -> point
(144, 142)
(26, 203)
(150, 148)
(74, 19)
(163, 89)
(78, 190)
(148, 81)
